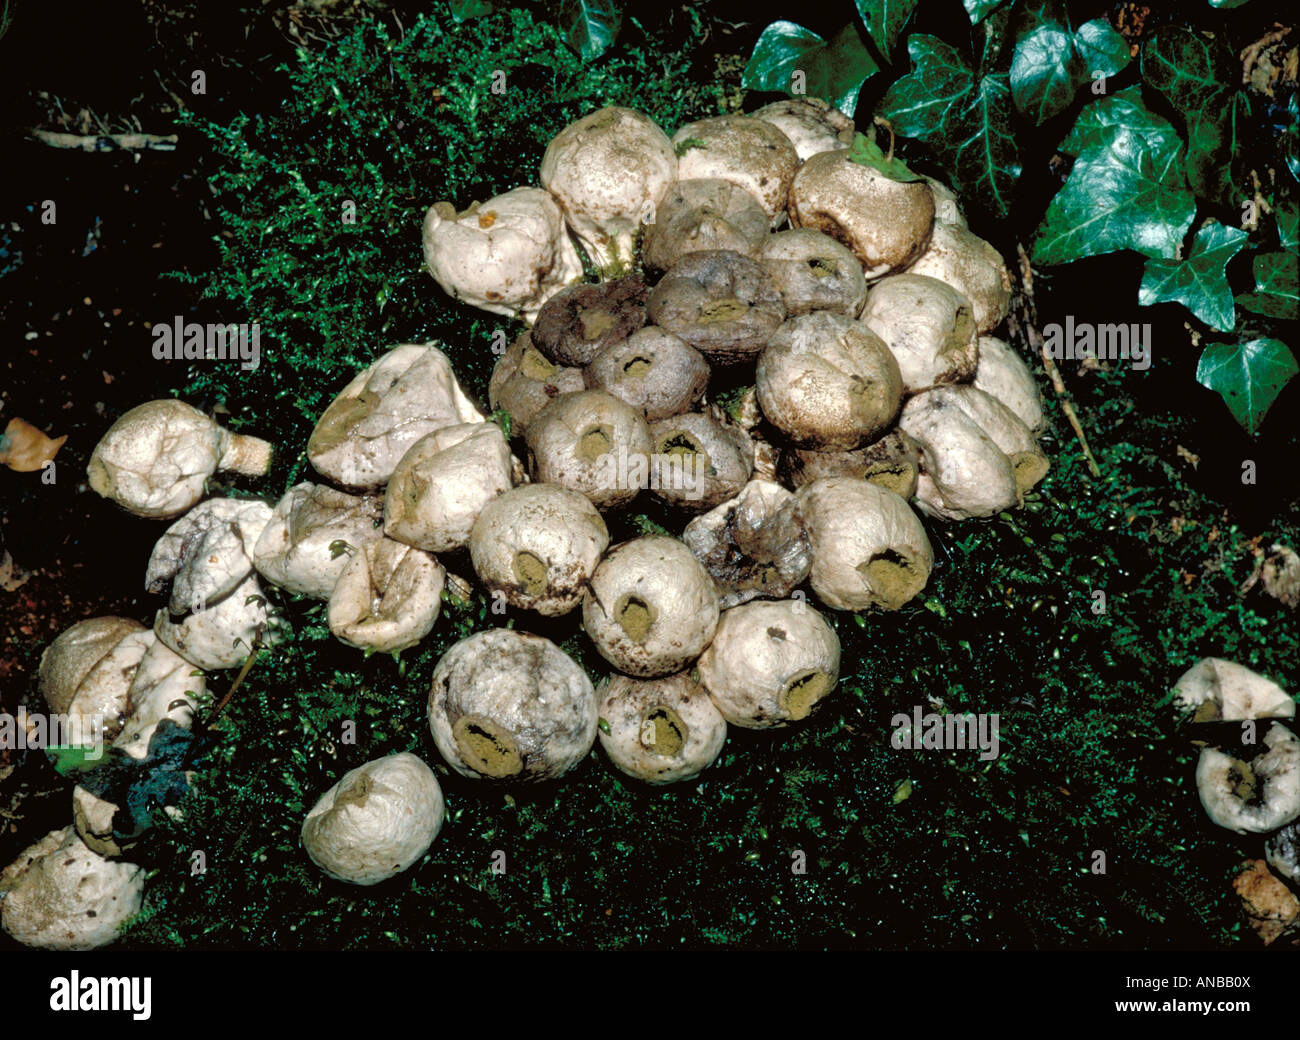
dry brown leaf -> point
(1271, 907)
(24, 448)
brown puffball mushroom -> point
(442, 484)
(208, 552)
(60, 895)
(813, 272)
(812, 125)
(508, 255)
(653, 371)
(387, 598)
(699, 461)
(828, 382)
(650, 607)
(886, 223)
(869, 549)
(704, 214)
(723, 304)
(947, 207)
(86, 673)
(927, 325)
(1282, 850)
(524, 381)
(1215, 690)
(591, 442)
(313, 529)
(376, 822)
(537, 545)
(893, 462)
(222, 633)
(754, 545)
(1003, 374)
(579, 322)
(1028, 462)
(971, 266)
(770, 663)
(751, 153)
(156, 459)
(1257, 796)
(660, 731)
(409, 392)
(609, 171)
(505, 704)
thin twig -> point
(239, 679)
(108, 142)
(1251, 54)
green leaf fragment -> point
(884, 20)
(1199, 282)
(866, 152)
(590, 26)
(1045, 72)
(834, 71)
(1101, 48)
(1248, 376)
(1277, 286)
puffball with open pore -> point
(812, 125)
(312, 531)
(156, 459)
(651, 607)
(376, 822)
(704, 213)
(579, 322)
(505, 704)
(700, 460)
(892, 461)
(928, 326)
(962, 259)
(524, 381)
(813, 272)
(750, 153)
(660, 731)
(589, 441)
(387, 598)
(1254, 796)
(653, 371)
(770, 663)
(538, 545)
(207, 553)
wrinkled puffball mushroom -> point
(387, 598)
(887, 223)
(87, 671)
(723, 304)
(311, 534)
(579, 322)
(442, 484)
(507, 704)
(408, 393)
(222, 634)
(699, 461)
(1282, 850)
(812, 125)
(660, 731)
(508, 255)
(155, 460)
(1002, 373)
(704, 214)
(1028, 463)
(974, 268)
(208, 552)
(929, 327)
(750, 153)
(524, 381)
(770, 663)
(651, 607)
(376, 822)
(591, 442)
(537, 545)
(868, 547)
(893, 462)
(60, 895)
(947, 207)
(1257, 796)
(753, 545)
(653, 371)
(609, 171)
(1215, 690)
(813, 272)
(828, 382)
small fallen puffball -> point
(813, 272)
(579, 322)
(1215, 690)
(207, 553)
(1272, 909)
(750, 153)
(973, 267)
(811, 124)
(1002, 374)
(593, 443)
(507, 704)
(223, 633)
(311, 535)
(661, 731)
(25, 449)
(387, 598)
(653, 371)
(701, 461)
(1257, 796)
(929, 327)
(87, 671)
(376, 822)
(893, 462)
(524, 381)
(704, 214)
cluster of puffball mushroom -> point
(864, 309)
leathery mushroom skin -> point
(660, 731)
(1013, 437)
(652, 370)
(868, 547)
(609, 171)
(508, 255)
(524, 381)
(208, 552)
(156, 459)
(376, 822)
(973, 267)
(1215, 690)
(579, 322)
(928, 326)
(770, 663)
(538, 545)
(1255, 796)
(87, 672)
(702, 461)
(651, 607)
(408, 393)
(222, 634)
(387, 598)
(589, 441)
(505, 704)
(947, 207)
(893, 461)
(750, 153)
(813, 272)
(701, 214)
(1002, 373)
(811, 124)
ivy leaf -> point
(1045, 72)
(834, 71)
(977, 9)
(1228, 5)
(965, 120)
(1248, 376)
(464, 10)
(884, 20)
(1287, 215)
(1199, 282)
(1277, 286)
(1184, 66)
(1101, 48)
(590, 25)
(866, 152)
(1122, 110)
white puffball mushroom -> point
(699, 461)
(893, 461)
(748, 152)
(651, 607)
(1215, 690)
(537, 545)
(408, 393)
(653, 371)
(973, 267)
(770, 663)
(86, 673)
(508, 704)
(947, 207)
(208, 552)
(660, 731)
(156, 459)
(524, 381)
(811, 124)
(609, 171)
(376, 822)
(1002, 373)
(60, 895)
(591, 442)
(1013, 438)
(813, 272)
(704, 213)
(927, 325)
(442, 484)
(508, 255)
(869, 549)
(387, 598)
(1257, 796)
(222, 634)
(313, 529)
